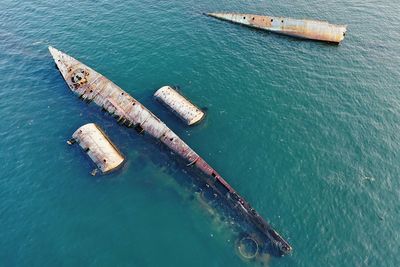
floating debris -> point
(98, 147)
(179, 105)
(90, 85)
(302, 28)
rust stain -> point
(302, 28)
(98, 147)
(91, 86)
(179, 105)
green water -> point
(307, 132)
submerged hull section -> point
(91, 86)
(302, 28)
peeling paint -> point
(98, 147)
(179, 105)
(302, 28)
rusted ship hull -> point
(301, 28)
(91, 86)
(98, 147)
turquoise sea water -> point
(307, 132)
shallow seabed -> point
(307, 132)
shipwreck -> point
(179, 105)
(91, 86)
(98, 146)
(301, 28)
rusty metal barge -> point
(91, 86)
(301, 28)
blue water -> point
(307, 132)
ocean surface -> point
(307, 132)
